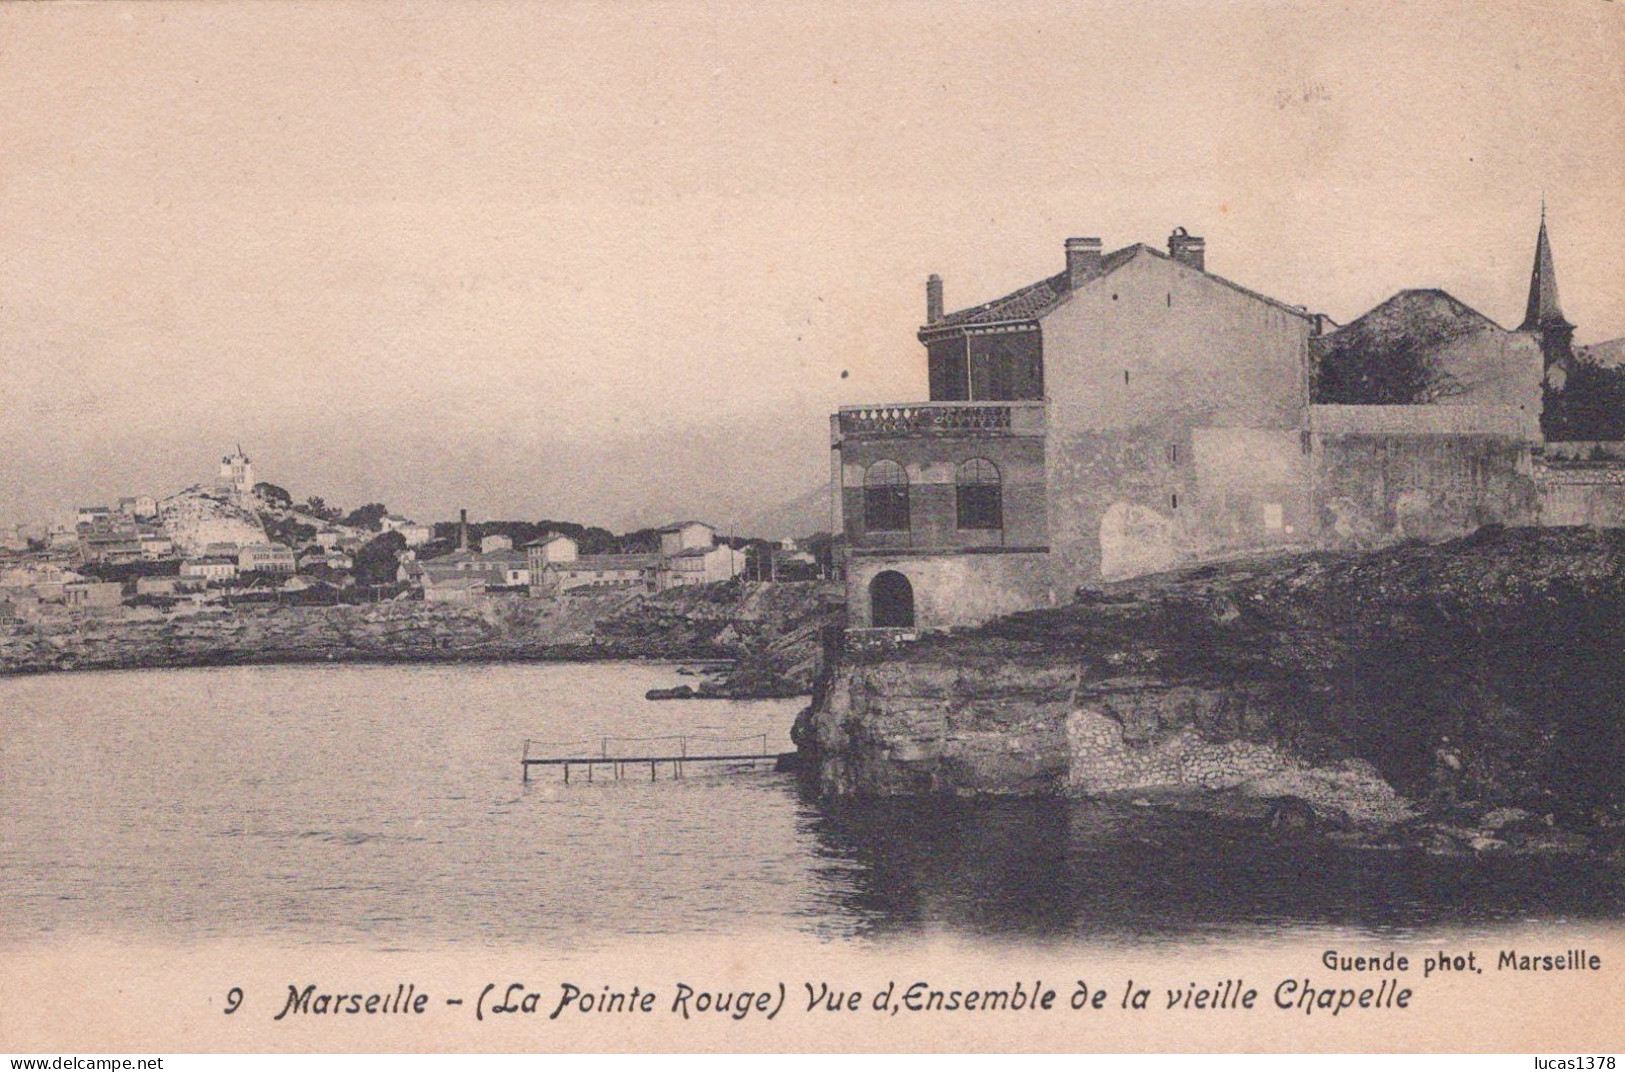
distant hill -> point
(804, 515)
(723, 471)
(199, 516)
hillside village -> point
(237, 543)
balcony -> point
(901, 419)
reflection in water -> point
(1058, 870)
(382, 806)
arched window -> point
(885, 498)
(980, 496)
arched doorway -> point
(891, 601)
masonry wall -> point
(1146, 368)
(1590, 495)
(951, 588)
(1383, 487)
(1497, 368)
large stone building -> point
(689, 554)
(1136, 411)
(1128, 413)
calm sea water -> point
(383, 807)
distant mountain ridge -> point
(804, 515)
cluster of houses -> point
(207, 546)
(553, 566)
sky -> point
(617, 262)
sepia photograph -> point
(643, 526)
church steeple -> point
(1544, 314)
(1543, 310)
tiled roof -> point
(608, 562)
(1037, 299)
(677, 526)
(1411, 307)
(1031, 301)
(1028, 303)
(455, 581)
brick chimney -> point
(933, 299)
(462, 531)
(1083, 261)
(1188, 249)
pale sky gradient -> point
(610, 261)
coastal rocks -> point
(881, 730)
(1376, 690)
(775, 649)
(681, 692)
(1103, 762)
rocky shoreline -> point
(1460, 697)
(767, 634)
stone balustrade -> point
(942, 418)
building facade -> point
(1137, 412)
(689, 555)
(1131, 412)
(557, 568)
(212, 569)
(266, 558)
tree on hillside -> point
(1404, 372)
(274, 495)
(1396, 355)
(377, 560)
(316, 507)
(288, 530)
(640, 542)
(366, 517)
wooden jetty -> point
(616, 756)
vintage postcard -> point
(838, 526)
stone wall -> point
(952, 589)
(1582, 494)
(1389, 473)
(1102, 763)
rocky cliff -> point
(1479, 683)
(770, 631)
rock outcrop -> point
(198, 517)
(768, 631)
(1444, 682)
